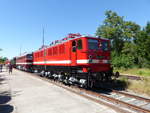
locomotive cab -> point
(92, 54)
(98, 54)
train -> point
(75, 60)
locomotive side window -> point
(55, 51)
(49, 51)
(93, 44)
(41, 54)
(38, 55)
(62, 49)
(74, 46)
(45, 53)
(79, 44)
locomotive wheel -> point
(101, 76)
(91, 84)
(117, 74)
(108, 76)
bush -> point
(122, 61)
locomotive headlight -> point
(90, 58)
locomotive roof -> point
(68, 38)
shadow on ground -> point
(6, 108)
(1, 80)
(5, 97)
(107, 87)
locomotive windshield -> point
(93, 44)
(105, 46)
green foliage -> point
(143, 47)
(112, 29)
(130, 44)
(3, 59)
(125, 61)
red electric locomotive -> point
(76, 59)
(24, 62)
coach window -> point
(79, 44)
(74, 46)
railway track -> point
(131, 77)
(119, 101)
(134, 102)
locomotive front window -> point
(105, 46)
(93, 44)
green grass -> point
(135, 71)
(137, 86)
(141, 86)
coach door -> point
(74, 52)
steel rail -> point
(131, 106)
(127, 94)
(133, 96)
(134, 107)
(78, 92)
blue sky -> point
(21, 21)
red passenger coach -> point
(24, 62)
(85, 59)
(7, 62)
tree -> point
(143, 49)
(3, 59)
(112, 29)
(147, 28)
(123, 35)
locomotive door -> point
(74, 53)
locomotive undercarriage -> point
(73, 75)
(24, 68)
